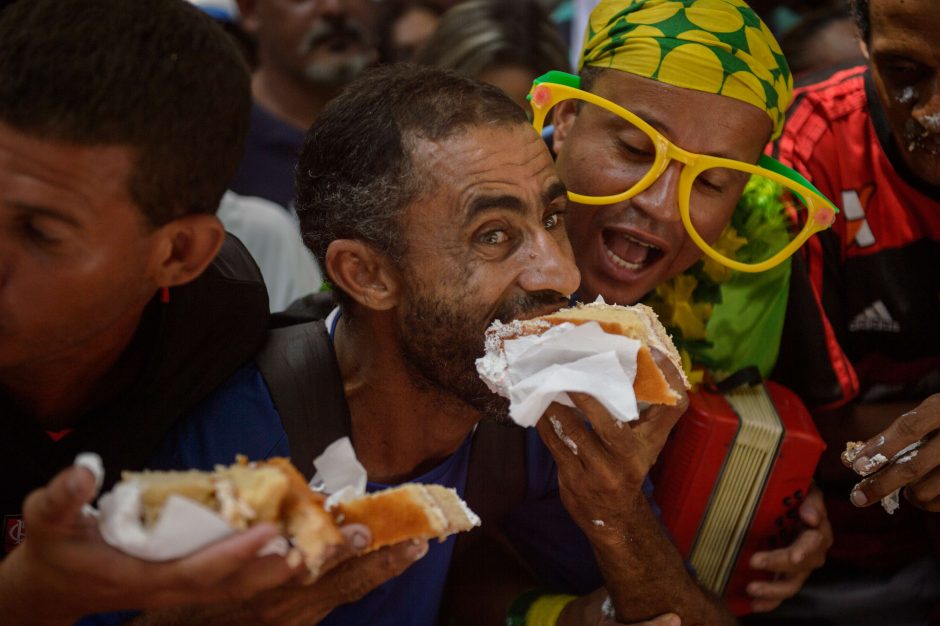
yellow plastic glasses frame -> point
(554, 87)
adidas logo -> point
(875, 318)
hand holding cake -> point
(604, 350)
(906, 456)
(598, 363)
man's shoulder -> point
(239, 417)
(833, 94)
(836, 107)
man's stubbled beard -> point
(441, 342)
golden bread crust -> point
(410, 511)
(637, 322)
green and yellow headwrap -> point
(715, 46)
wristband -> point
(545, 610)
(520, 607)
(534, 608)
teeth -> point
(627, 265)
(640, 243)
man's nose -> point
(927, 110)
(549, 265)
(661, 199)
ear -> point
(185, 247)
(369, 278)
(248, 15)
(563, 119)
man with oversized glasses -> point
(657, 140)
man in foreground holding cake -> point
(123, 305)
(710, 78)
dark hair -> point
(357, 174)
(589, 76)
(479, 34)
(158, 77)
(861, 13)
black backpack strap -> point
(483, 558)
(496, 476)
(300, 368)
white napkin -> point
(184, 526)
(541, 369)
(339, 473)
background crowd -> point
(848, 323)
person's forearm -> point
(645, 575)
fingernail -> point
(758, 562)
(358, 540)
(417, 549)
(797, 558)
(75, 484)
(673, 620)
(858, 498)
(754, 589)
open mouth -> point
(629, 252)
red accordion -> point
(730, 480)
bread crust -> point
(637, 322)
(246, 494)
(273, 490)
(410, 511)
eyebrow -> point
(554, 191)
(481, 204)
(46, 212)
(510, 202)
(891, 53)
(666, 130)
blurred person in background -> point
(289, 270)
(506, 44)
(869, 137)
(225, 14)
(823, 39)
(307, 51)
(405, 26)
(270, 234)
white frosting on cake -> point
(493, 366)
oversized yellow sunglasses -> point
(804, 210)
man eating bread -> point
(459, 220)
(435, 209)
